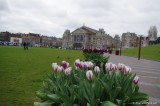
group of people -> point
(25, 45)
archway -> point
(77, 45)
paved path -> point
(149, 73)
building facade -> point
(32, 39)
(16, 41)
(129, 40)
(50, 41)
(87, 38)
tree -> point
(152, 33)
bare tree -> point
(152, 33)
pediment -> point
(79, 30)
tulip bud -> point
(91, 65)
(108, 66)
(64, 64)
(60, 69)
(121, 66)
(81, 65)
(135, 80)
(96, 69)
(68, 71)
(54, 66)
(127, 70)
(77, 63)
(113, 67)
(89, 75)
(85, 65)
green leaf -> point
(41, 95)
(138, 96)
(54, 98)
(108, 103)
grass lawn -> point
(22, 72)
(150, 52)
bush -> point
(89, 85)
(96, 58)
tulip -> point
(109, 66)
(89, 75)
(68, 71)
(77, 63)
(91, 65)
(113, 67)
(121, 66)
(127, 69)
(60, 69)
(135, 80)
(85, 65)
(96, 69)
(64, 64)
(54, 66)
(81, 65)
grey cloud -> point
(52, 17)
(3, 5)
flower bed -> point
(88, 85)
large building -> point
(87, 38)
(129, 40)
(51, 41)
(31, 38)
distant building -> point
(50, 41)
(144, 40)
(16, 41)
(85, 37)
(31, 38)
(155, 42)
(116, 43)
(47, 41)
(129, 40)
(5, 36)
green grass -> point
(149, 52)
(22, 72)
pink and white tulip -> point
(108, 66)
(96, 69)
(90, 65)
(136, 80)
(81, 65)
(89, 75)
(64, 64)
(77, 63)
(121, 66)
(127, 69)
(60, 69)
(113, 67)
(54, 66)
(68, 71)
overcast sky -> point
(52, 17)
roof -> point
(86, 30)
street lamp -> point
(139, 50)
(120, 47)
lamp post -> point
(139, 50)
(120, 48)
